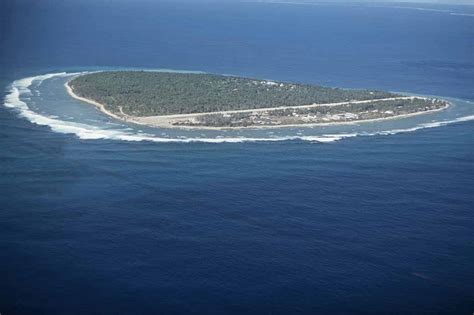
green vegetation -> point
(142, 93)
(317, 114)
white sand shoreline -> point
(101, 107)
(166, 121)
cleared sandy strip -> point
(267, 109)
(166, 121)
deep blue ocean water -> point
(376, 224)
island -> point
(201, 100)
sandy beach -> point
(167, 121)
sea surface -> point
(101, 217)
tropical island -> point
(199, 100)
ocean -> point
(101, 217)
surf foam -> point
(21, 88)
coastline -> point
(166, 121)
(101, 107)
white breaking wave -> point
(425, 126)
(462, 14)
(355, 4)
(88, 132)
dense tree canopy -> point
(144, 93)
